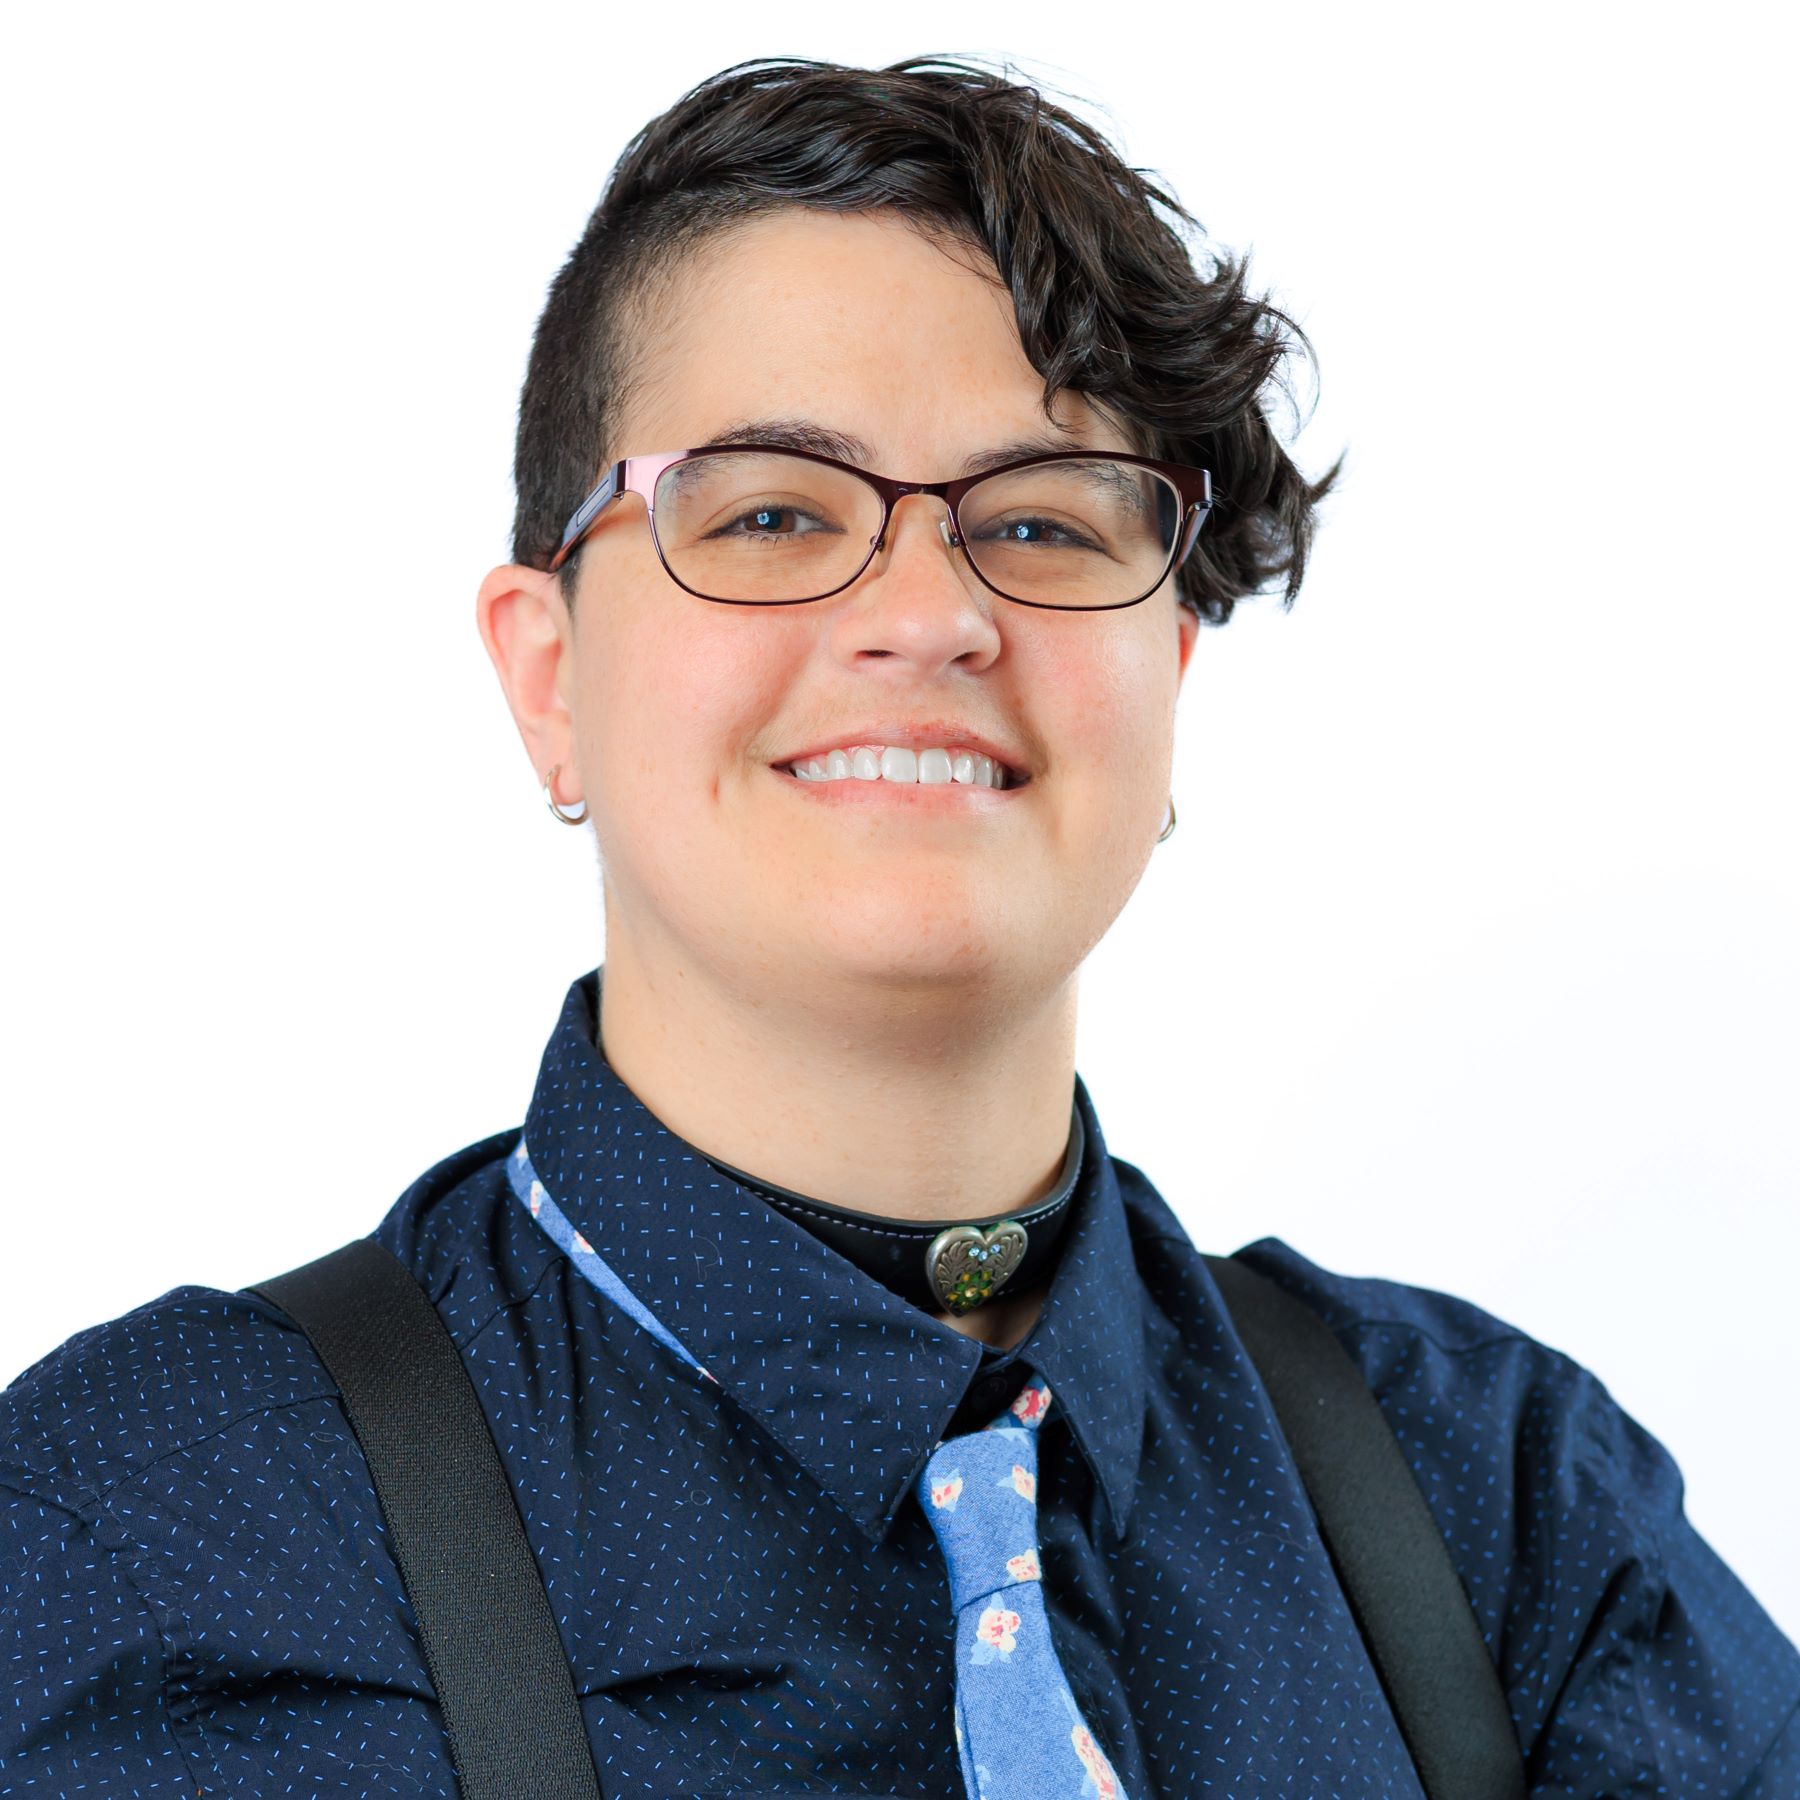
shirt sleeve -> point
(1651, 1667)
(82, 1711)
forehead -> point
(861, 321)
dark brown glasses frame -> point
(640, 474)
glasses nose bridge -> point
(896, 491)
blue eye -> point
(1030, 531)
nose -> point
(919, 604)
(915, 503)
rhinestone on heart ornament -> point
(966, 1265)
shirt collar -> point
(856, 1384)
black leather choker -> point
(942, 1267)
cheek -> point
(671, 701)
(1106, 708)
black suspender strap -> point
(497, 1660)
(491, 1644)
(1404, 1592)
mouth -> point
(954, 771)
(924, 796)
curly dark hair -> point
(1109, 301)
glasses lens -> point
(1088, 532)
(763, 526)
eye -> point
(769, 519)
(1037, 529)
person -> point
(883, 447)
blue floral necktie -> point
(1019, 1733)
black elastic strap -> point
(1404, 1592)
(490, 1639)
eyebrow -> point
(806, 434)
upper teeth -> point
(889, 762)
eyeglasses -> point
(747, 525)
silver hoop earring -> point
(1171, 824)
(579, 818)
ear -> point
(1187, 623)
(525, 625)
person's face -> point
(682, 711)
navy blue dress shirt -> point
(197, 1595)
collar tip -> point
(1120, 1491)
(1119, 1517)
(874, 1528)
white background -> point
(1472, 961)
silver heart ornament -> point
(966, 1265)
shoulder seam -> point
(1513, 1335)
(92, 1499)
(97, 1498)
(9, 1486)
(1486, 1343)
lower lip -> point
(929, 796)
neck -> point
(917, 1106)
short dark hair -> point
(1109, 301)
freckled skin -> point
(872, 1006)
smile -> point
(897, 765)
(888, 791)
